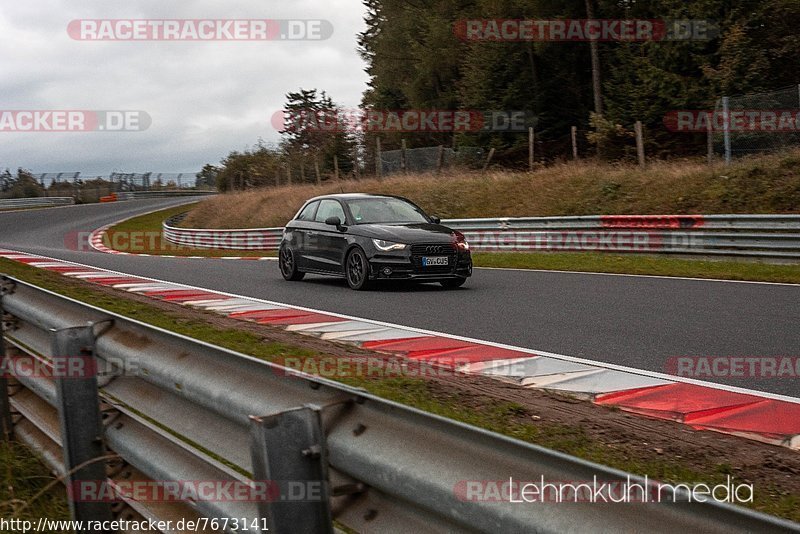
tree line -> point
(417, 61)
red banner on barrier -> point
(652, 221)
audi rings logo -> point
(435, 249)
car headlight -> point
(386, 246)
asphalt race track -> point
(638, 322)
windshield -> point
(385, 210)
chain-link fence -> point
(755, 123)
(150, 180)
(428, 159)
(121, 181)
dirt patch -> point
(641, 438)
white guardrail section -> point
(36, 202)
(754, 236)
(134, 195)
(176, 409)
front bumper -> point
(409, 268)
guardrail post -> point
(79, 415)
(289, 454)
(6, 422)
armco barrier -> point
(176, 409)
(751, 236)
(134, 195)
(37, 202)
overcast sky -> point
(205, 98)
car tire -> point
(356, 270)
(453, 283)
(288, 265)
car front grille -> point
(434, 250)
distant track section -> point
(35, 202)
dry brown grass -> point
(757, 185)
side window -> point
(308, 212)
(329, 208)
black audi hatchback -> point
(365, 238)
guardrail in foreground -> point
(35, 202)
(755, 236)
(177, 409)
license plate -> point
(434, 261)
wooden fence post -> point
(710, 138)
(530, 149)
(403, 166)
(336, 167)
(488, 159)
(639, 143)
(378, 162)
(574, 135)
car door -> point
(331, 241)
(301, 235)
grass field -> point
(767, 184)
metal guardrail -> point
(187, 410)
(255, 239)
(133, 195)
(753, 236)
(36, 202)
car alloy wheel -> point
(288, 265)
(357, 270)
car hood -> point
(406, 233)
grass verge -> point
(143, 235)
(758, 184)
(22, 478)
(645, 265)
(503, 417)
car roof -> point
(352, 196)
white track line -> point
(591, 273)
(641, 372)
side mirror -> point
(333, 221)
(435, 219)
